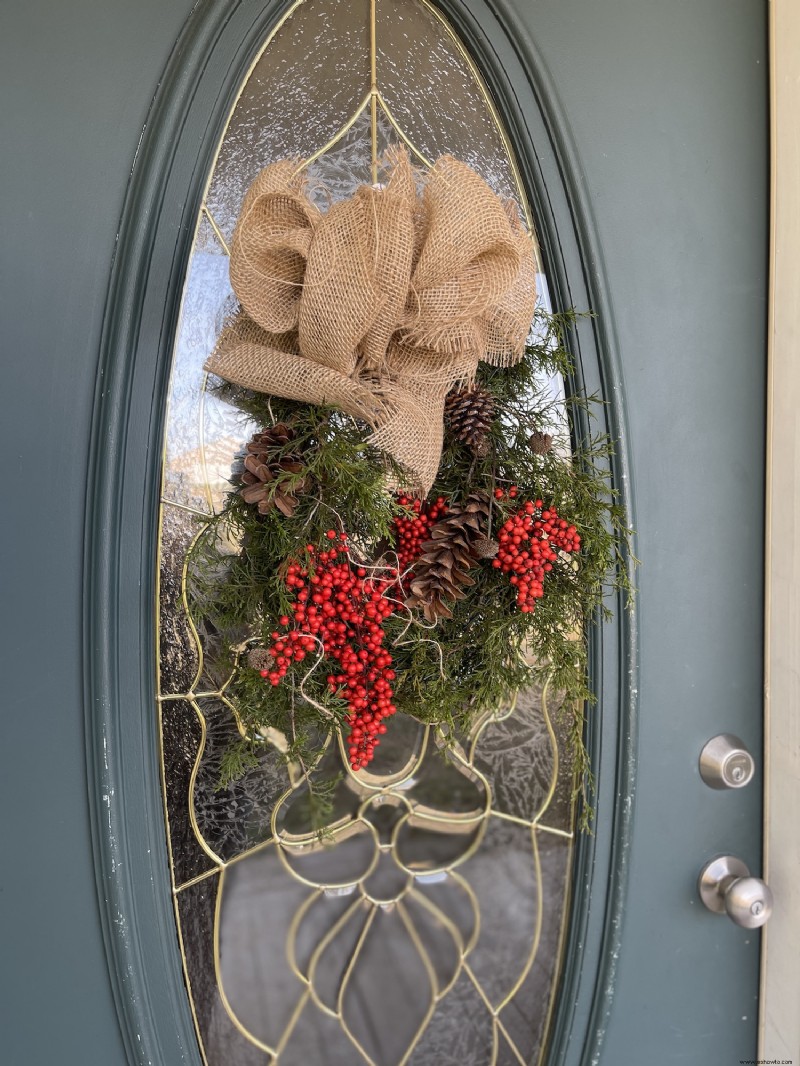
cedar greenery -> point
(488, 650)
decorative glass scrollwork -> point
(424, 924)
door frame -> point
(212, 55)
(779, 1021)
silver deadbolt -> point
(726, 887)
(726, 763)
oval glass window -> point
(425, 925)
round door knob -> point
(726, 887)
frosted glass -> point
(433, 94)
(304, 88)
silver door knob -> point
(726, 887)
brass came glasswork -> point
(425, 924)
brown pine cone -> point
(469, 413)
(259, 659)
(540, 443)
(441, 572)
(264, 464)
(486, 548)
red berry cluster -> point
(411, 533)
(340, 607)
(529, 543)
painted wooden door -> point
(641, 134)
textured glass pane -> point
(305, 87)
(433, 94)
(178, 652)
(461, 1030)
(181, 739)
(234, 819)
(347, 164)
(517, 754)
(206, 301)
(424, 925)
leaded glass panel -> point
(425, 925)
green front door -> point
(640, 132)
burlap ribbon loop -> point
(389, 226)
(270, 246)
(381, 305)
(509, 321)
(467, 261)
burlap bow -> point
(379, 306)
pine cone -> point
(441, 572)
(264, 464)
(540, 443)
(486, 548)
(469, 414)
(259, 659)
